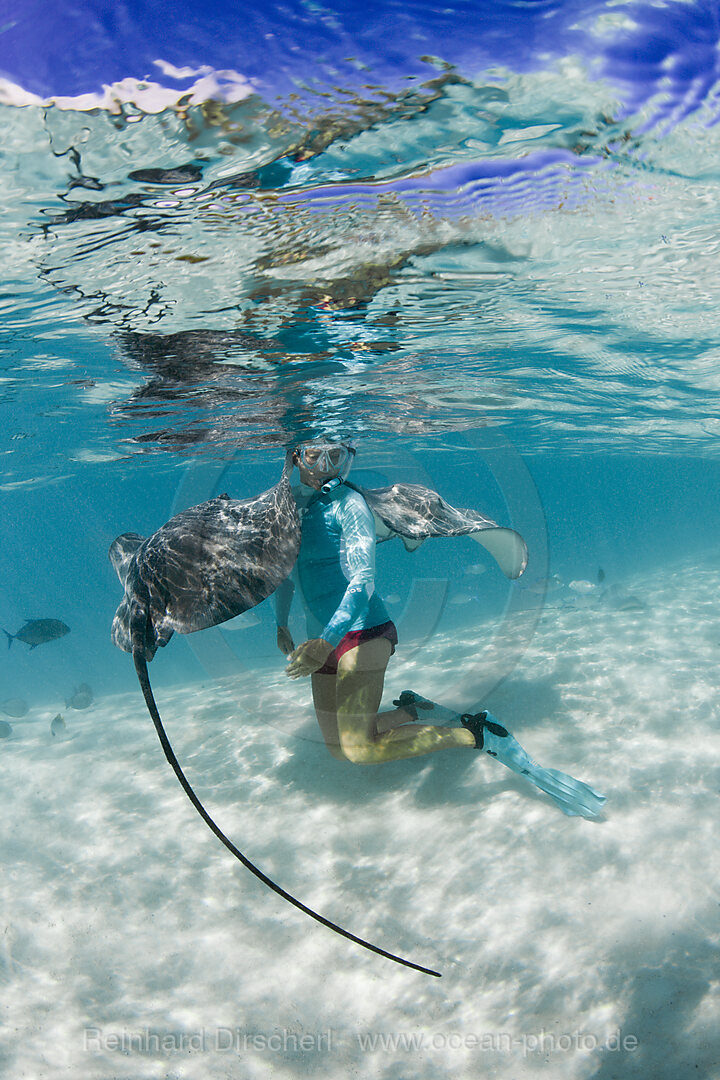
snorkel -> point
(342, 475)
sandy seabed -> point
(135, 947)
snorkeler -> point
(351, 636)
(352, 640)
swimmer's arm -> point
(283, 601)
(357, 557)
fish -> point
(476, 568)
(544, 585)
(57, 726)
(581, 586)
(462, 597)
(214, 561)
(38, 631)
(5, 729)
(81, 698)
(393, 598)
(14, 706)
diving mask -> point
(324, 458)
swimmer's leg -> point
(324, 700)
(366, 738)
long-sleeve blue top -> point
(335, 569)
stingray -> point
(220, 558)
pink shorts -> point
(354, 638)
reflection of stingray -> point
(181, 174)
(216, 560)
(238, 371)
(95, 211)
(132, 205)
(207, 370)
(217, 361)
(211, 370)
(350, 292)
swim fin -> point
(574, 798)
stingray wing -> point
(204, 566)
(415, 513)
(121, 553)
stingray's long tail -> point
(142, 673)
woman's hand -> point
(285, 642)
(308, 657)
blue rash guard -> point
(335, 569)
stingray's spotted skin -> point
(206, 565)
(416, 513)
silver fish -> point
(476, 568)
(38, 631)
(57, 726)
(14, 706)
(545, 585)
(81, 698)
(582, 586)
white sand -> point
(134, 945)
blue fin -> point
(575, 798)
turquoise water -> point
(483, 242)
